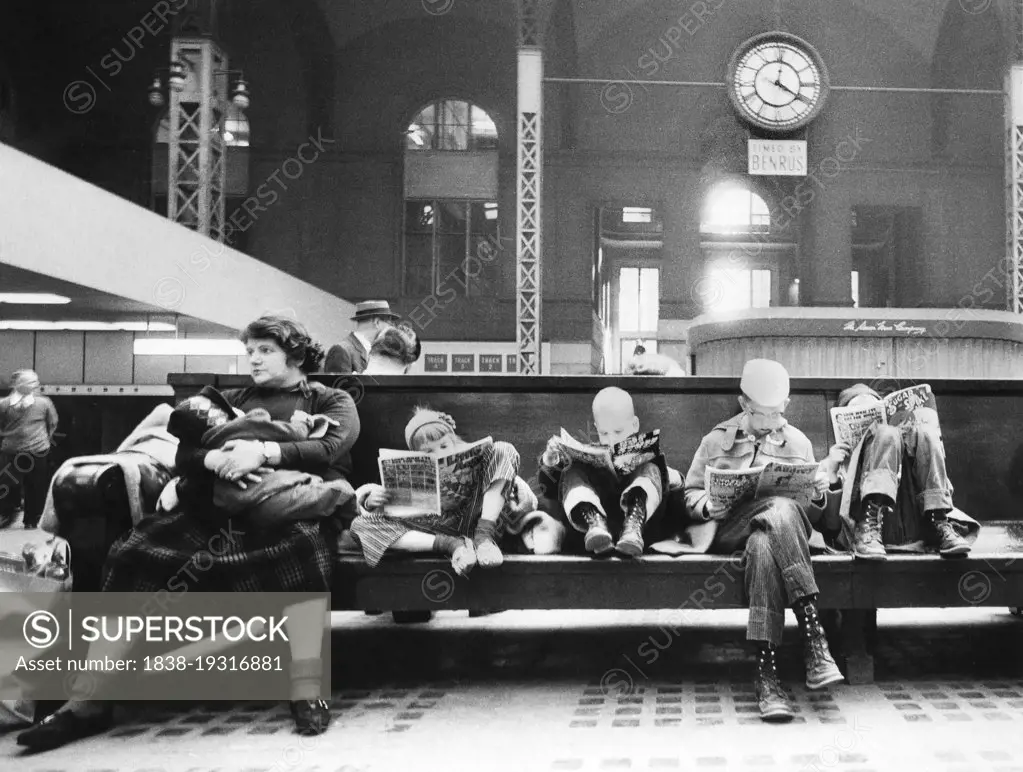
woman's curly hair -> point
(397, 343)
(291, 336)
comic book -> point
(913, 404)
(730, 487)
(440, 494)
(620, 459)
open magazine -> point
(442, 494)
(729, 487)
(915, 403)
(621, 459)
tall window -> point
(451, 124)
(451, 214)
(449, 246)
(742, 259)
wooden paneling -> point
(17, 352)
(806, 357)
(60, 356)
(90, 424)
(108, 357)
(984, 453)
(153, 369)
(566, 582)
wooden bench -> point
(985, 463)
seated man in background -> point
(352, 354)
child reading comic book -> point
(445, 489)
(890, 463)
(610, 493)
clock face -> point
(777, 82)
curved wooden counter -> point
(862, 342)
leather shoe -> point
(312, 717)
(63, 727)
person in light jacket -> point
(28, 421)
(772, 532)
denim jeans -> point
(907, 465)
(775, 533)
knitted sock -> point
(306, 679)
(446, 545)
(485, 531)
(85, 708)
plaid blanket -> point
(199, 551)
(198, 547)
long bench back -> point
(981, 420)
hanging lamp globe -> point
(240, 97)
(156, 93)
(176, 79)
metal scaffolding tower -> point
(197, 172)
(529, 188)
(1014, 164)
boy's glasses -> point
(773, 416)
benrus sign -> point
(882, 325)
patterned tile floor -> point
(598, 691)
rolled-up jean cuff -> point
(880, 482)
(799, 582)
(581, 494)
(765, 625)
(653, 494)
(935, 499)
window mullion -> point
(435, 249)
(468, 244)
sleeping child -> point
(281, 495)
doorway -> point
(887, 244)
(627, 275)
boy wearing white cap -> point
(774, 531)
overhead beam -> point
(56, 224)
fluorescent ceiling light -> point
(189, 347)
(30, 324)
(34, 298)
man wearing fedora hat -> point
(352, 354)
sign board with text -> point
(781, 158)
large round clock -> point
(777, 81)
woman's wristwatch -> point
(271, 453)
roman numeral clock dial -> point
(777, 82)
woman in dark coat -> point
(297, 556)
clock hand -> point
(795, 94)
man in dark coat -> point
(352, 354)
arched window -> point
(733, 209)
(451, 212)
(236, 139)
(451, 124)
(745, 266)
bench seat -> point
(992, 575)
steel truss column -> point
(196, 169)
(1014, 164)
(529, 189)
